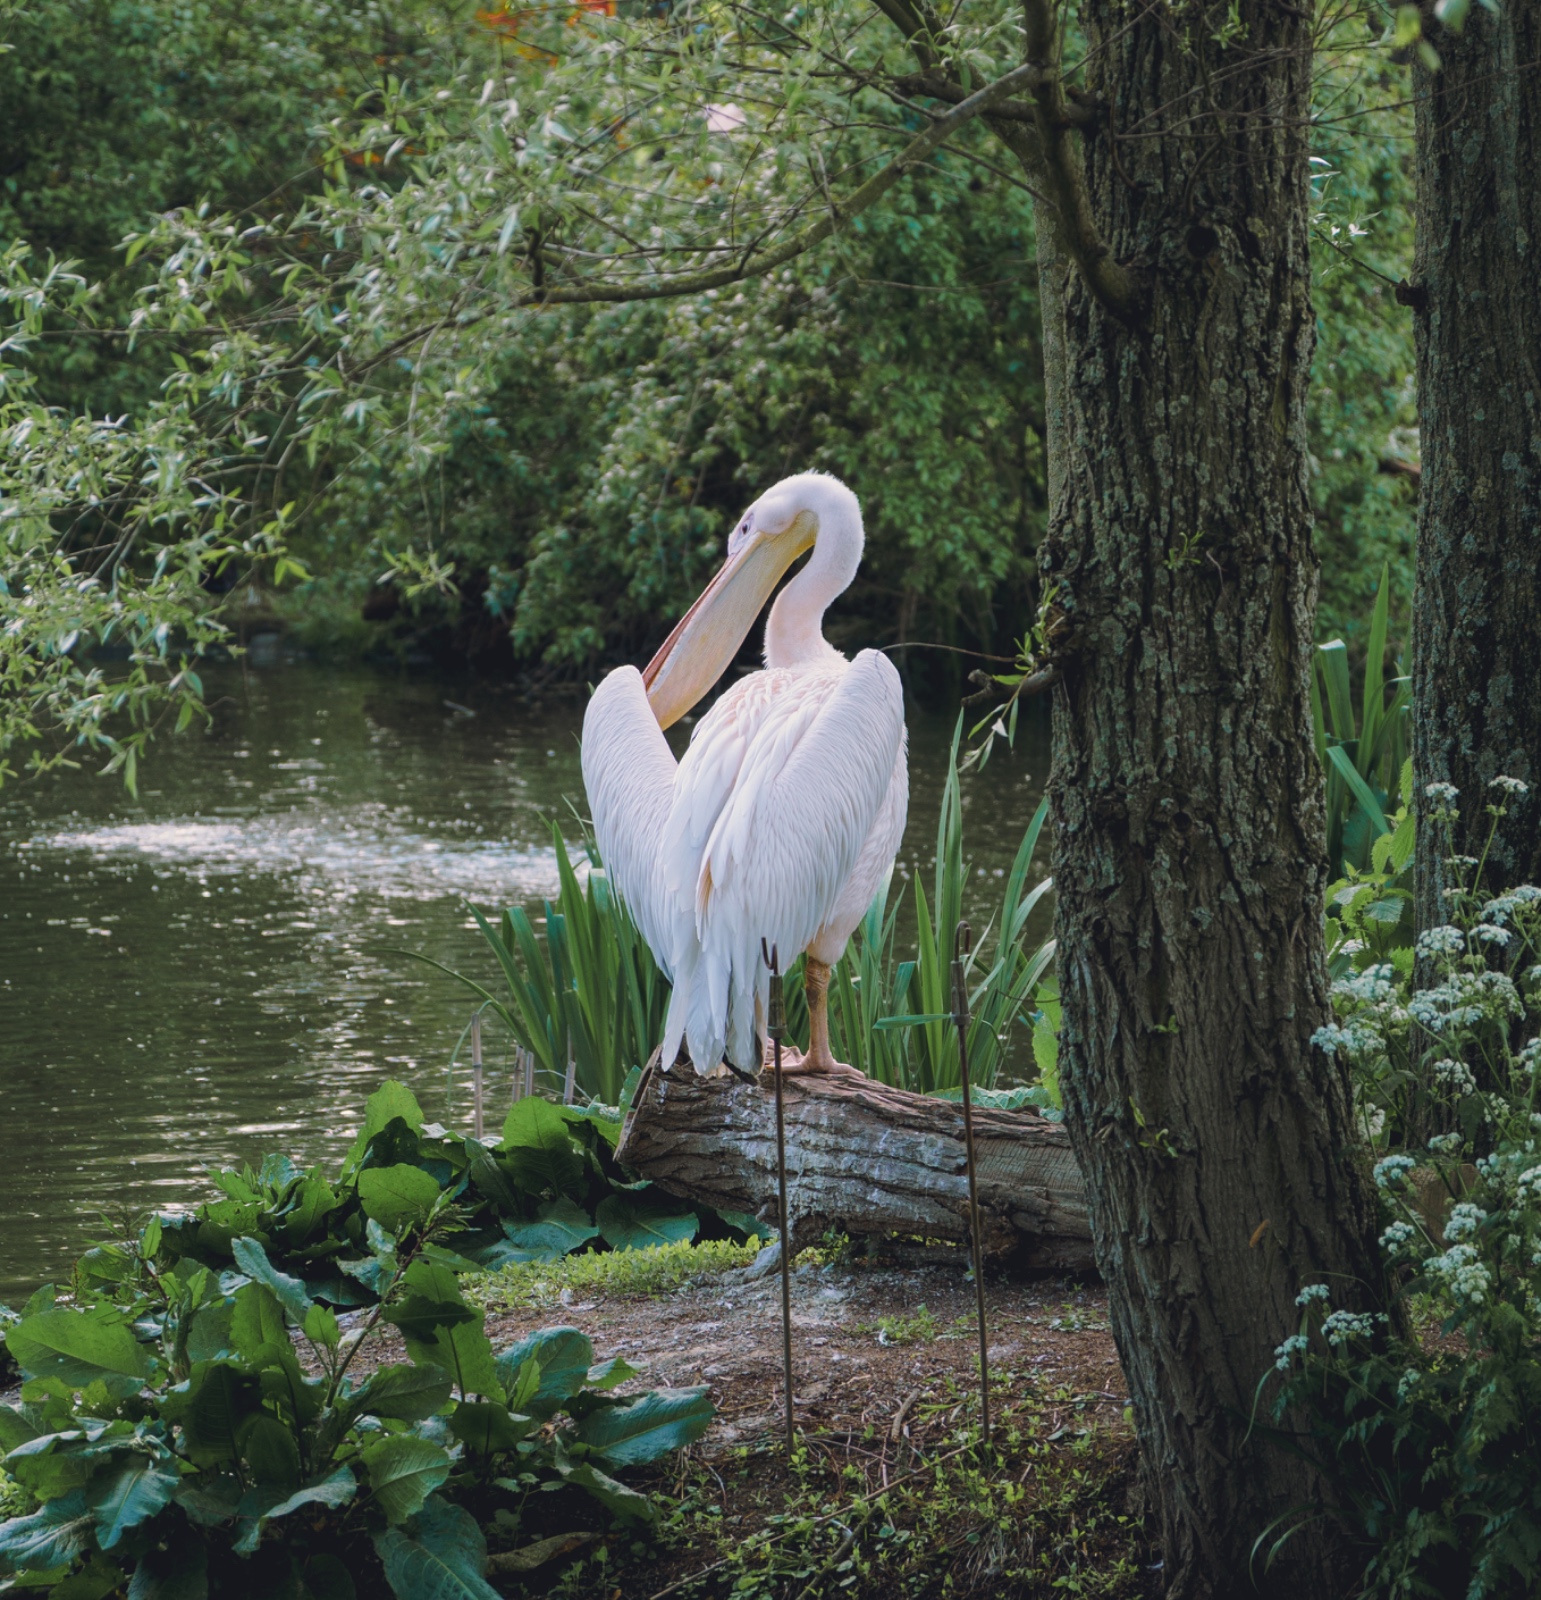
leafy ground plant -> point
(1433, 1440)
(204, 1435)
(548, 1185)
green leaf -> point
(446, 1561)
(1339, 757)
(271, 1454)
(615, 1497)
(489, 1428)
(538, 1149)
(461, 1348)
(650, 1426)
(397, 1197)
(220, 1400)
(137, 1491)
(290, 1293)
(561, 1226)
(257, 1322)
(631, 1222)
(321, 1327)
(403, 1471)
(403, 1394)
(333, 1492)
(609, 1374)
(55, 1536)
(389, 1101)
(564, 1356)
(177, 1572)
(325, 1578)
(78, 1346)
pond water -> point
(217, 969)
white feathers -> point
(780, 823)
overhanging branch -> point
(918, 151)
(1111, 283)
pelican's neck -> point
(794, 631)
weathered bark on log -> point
(864, 1158)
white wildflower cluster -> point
(1491, 933)
(1446, 1144)
(1527, 1187)
(1455, 1075)
(1408, 1382)
(1373, 1120)
(1341, 1326)
(1312, 1291)
(1463, 1221)
(1442, 794)
(1390, 1173)
(1446, 940)
(1355, 1038)
(1374, 984)
(1463, 1273)
(1296, 1345)
(1514, 786)
(1398, 1236)
(1513, 903)
(1465, 999)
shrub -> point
(1432, 1442)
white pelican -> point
(783, 818)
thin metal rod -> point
(476, 1073)
(569, 1089)
(529, 1073)
(775, 1027)
(961, 947)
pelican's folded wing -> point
(628, 775)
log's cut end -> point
(861, 1157)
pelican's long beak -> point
(707, 637)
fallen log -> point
(863, 1158)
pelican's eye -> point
(739, 535)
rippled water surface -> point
(216, 968)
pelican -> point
(782, 820)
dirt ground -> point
(850, 1371)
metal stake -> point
(476, 1072)
(963, 942)
(775, 1026)
(569, 1089)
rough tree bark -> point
(1477, 615)
(1214, 1139)
(864, 1158)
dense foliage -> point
(346, 359)
(1428, 1427)
(196, 1417)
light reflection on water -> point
(192, 978)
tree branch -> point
(940, 87)
(1112, 284)
(913, 155)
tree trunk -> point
(1216, 1143)
(863, 1158)
(1477, 615)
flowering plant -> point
(1428, 1423)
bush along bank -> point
(194, 1420)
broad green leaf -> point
(220, 1401)
(321, 1327)
(290, 1293)
(462, 1349)
(564, 1356)
(271, 1454)
(650, 1426)
(54, 1536)
(179, 1571)
(615, 1497)
(609, 1374)
(257, 1321)
(403, 1471)
(137, 1491)
(446, 1561)
(397, 1197)
(488, 1427)
(333, 1491)
(561, 1226)
(403, 1393)
(537, 1148)
(389, 1101)
(77, 1346)
(631, 1222)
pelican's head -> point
(784, 522)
